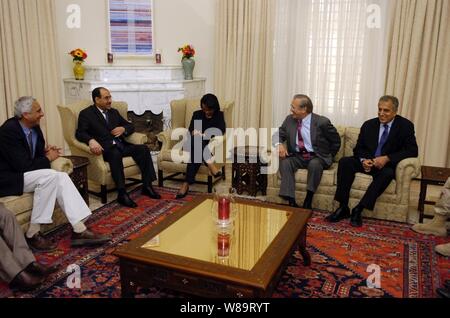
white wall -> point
(176, 22)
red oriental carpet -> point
(340, 254)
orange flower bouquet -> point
(78, 55)
(187, 50)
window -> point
(131, 27)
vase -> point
(78, 70)
(188, 68)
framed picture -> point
(131, 27)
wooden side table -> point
(79, 175)
(433, 176)
(246, 171)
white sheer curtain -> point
(333, 51)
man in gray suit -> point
(18, 265)
(306, 140)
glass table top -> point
(238, 243)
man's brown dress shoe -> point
(88, 238)
(40, 270)
(41, 244)
(25, 281)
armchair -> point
(99, 172)
(182, 111)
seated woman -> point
(210, 116)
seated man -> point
(103, 129)
(25, 167)
(311, 143)
(18, 265)
(382, 143)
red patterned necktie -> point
(300, 142)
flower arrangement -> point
(78, 55)
(187, 50)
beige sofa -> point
(22, 205)
(391, 205)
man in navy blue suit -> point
(382, 143)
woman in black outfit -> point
(210, 116)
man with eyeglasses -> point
(308, 141)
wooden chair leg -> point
(210, 185)
(103, 193)
(160, 178)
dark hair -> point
(393, 99)
(97, 93)
(305, 101)
(210, 101)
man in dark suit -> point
(103, 129)
(305, 140)
(25, 167)
(382, 143)
(18, 266)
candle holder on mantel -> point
(224, 208)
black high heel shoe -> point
(182, 195)
(218, 174)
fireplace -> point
(149, 124)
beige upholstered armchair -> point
(99, 172)
(182, 111)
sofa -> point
(391, 205)
(22, 205)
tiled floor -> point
(433, 193)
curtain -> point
(28, 61)
(243, 59)
(418, 73)
(335, 52)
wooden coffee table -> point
(190, 253)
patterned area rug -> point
(343, 258)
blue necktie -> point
(384, 137)
(117, 140)
(30, 143)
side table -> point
(246, 171)
(433, 176)
(79, 175)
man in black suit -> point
(103, 129)
(382, 143)
(25, 167)
(305, 140)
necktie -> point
(382, 141)
(30, 143)
(301, 143)
(116, 140)
(106, 116)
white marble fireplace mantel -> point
(142, 87)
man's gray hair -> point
(23, 105)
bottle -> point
(158, 56)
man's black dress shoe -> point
(125, 200)
(356, 218)
(40, 270)
(291, 201)
(41, 244)
(340, 214)
(307, 204)
(150, 192)
(88, 238)
(25, 281)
